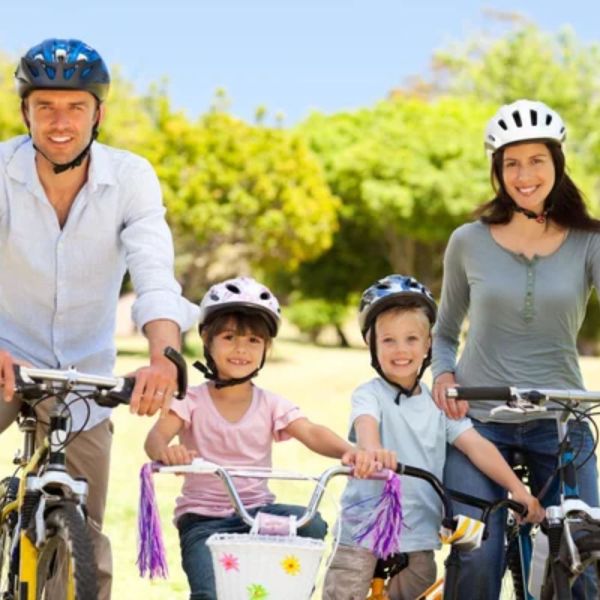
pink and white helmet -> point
(244, 294)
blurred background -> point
(317, 145)
(321, 144)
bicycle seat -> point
(387, 568)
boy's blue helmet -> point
(393, 290)
(58, 64)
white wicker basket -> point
(264, 567)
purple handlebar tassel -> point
(385, 526)
(152, 558)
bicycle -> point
(44, 544)
(462, 533)
(570, 534)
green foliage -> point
(312, 315)
(240, 197)
(408, 171)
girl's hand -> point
(455, 409)
(367, 462)
(177, 455)
(535, 511)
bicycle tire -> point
(8, 562)
(560, 576)
(513, 586)
(66, 559)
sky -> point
(290, 56)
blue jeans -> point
(481, 570)
(196, 558)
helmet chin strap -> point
(541, 218)
(408, 392)
(76, 162)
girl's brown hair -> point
(241, 322)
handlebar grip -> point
(178, 360)
(503, 393)
(26, 388)
(120, 395)
(517, 507)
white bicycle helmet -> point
(241, 293)
(390, 291)
(523, 120)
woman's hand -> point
(455, 409)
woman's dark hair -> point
(243, 323)
(565, 204)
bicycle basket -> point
(261, 567)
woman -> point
(523, 273)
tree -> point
(408, 171)
(239, 197)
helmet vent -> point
(265, 296)
(383, 286)
(533, 117)
(503, 124)
(234, 289)
(517, 117)
(548, 119)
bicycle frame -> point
(461, 540)
(572, 514)
(43, 482)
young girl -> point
(229, 420)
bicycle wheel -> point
(560, 580)
(8, 553)
(513, 585)
(66, 567)
(7, 571)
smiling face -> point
(402, 338)
(528, 174)
(61, 122)
(236, 353)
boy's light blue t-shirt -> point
(418, 431)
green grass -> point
(319, 379)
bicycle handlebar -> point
(507, 393)
(33, 384)
(226, 474)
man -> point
(74, 216)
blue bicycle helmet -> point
(58, 64)
(393, 290)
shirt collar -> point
(21, 166)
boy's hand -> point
(535, 511)
(177, 455)
(367, 462)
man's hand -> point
(7, 376)
(154, 387)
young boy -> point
(396, 411)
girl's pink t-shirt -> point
(246, 442)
